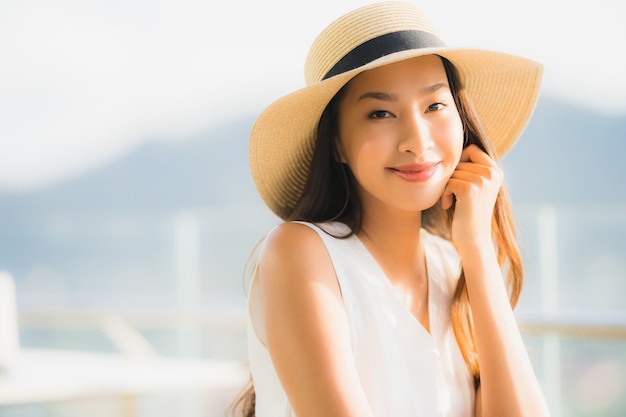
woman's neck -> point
(394, 240)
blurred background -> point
(127, 212)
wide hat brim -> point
(502, 88)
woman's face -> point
(400, 133)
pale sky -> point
(83, 82)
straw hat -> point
(503, 89)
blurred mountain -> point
(566, 155)
(124, 231)
(209, 169)
(133, 229)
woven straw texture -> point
(502, 88)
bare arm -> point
(509, 386)
(306, 329)
(508, 383)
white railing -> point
(124, 329)
(120, 326)
(587, 325)
(546, 315)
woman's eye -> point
(379, 114)
(435, 107)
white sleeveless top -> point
(404, 370)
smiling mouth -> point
(415, 172)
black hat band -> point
(384, 45)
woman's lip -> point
(415, 172)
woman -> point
(382, 292)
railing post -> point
(9, 335)
(548, 265)
(188, 276)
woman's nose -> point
(415, 135)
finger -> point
(467, 176)
(481, 172)
(480, 176)
(475, 168)
(474, 154)
(455, 188)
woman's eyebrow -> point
(378, 96)
(432, 88)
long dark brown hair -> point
(330, 195)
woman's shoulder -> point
(301, 237)
(293, 248)
(292, 267)
(299, 315)
(291, 236)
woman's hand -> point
(508, 385)
(475, 184)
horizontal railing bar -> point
(575, 331)
(596, 325)
(583, 325)
(229, 317)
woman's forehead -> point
(425, 70)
